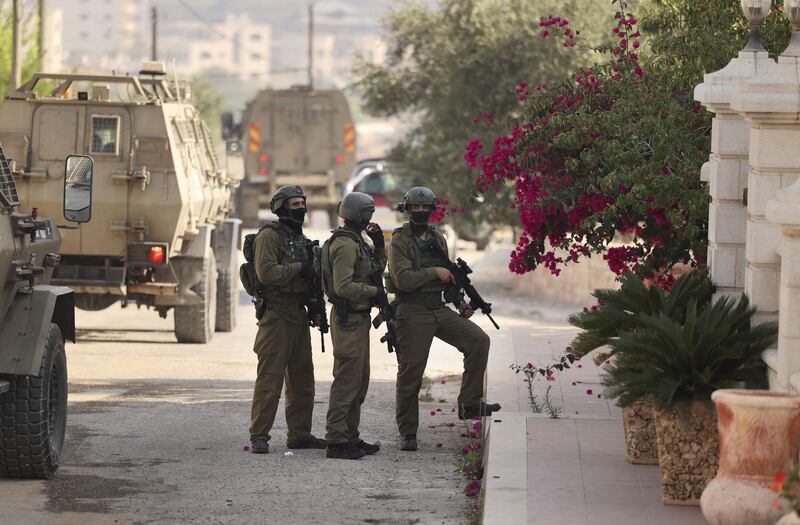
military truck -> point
(35, 320)
(161, 236)
(293, 136)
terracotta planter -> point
(759, 433)
(640, 433)
(789, 519)
(688, 451)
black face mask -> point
(420, 217)
(297, 215)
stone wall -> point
(574, 285)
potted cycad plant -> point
(678, 364)
(619, 311)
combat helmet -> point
(418, 195)
(283, 194)
(357, 208)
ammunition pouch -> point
(453, 295)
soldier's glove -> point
(307, 272)
(381, 301)
(375, 234)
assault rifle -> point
(316, 303)
(385, 314)
(460, 270)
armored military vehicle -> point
(35, 320)
(293, 136)
(161, 235)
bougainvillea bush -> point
(608, 161)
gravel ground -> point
(175, 455)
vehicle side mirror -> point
(78, 173)
(234, 159)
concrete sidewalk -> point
(570, 470)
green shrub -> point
(669, 360)
(620, 311)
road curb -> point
(506, 469)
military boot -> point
(368, 448)
(309, 442)
(259, 446)
(408, 442)
(484, 409)
(344, 451)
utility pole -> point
(310, 46)
(16, 44)
(154, 35)
(42, 31)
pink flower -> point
(574, 383)
(589, 392)
(246, 448)
(433, 412)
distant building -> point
(236, 48)
(105, 34)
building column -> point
(784, 211)
(727, 170)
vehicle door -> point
(107, 132)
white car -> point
(374, 178)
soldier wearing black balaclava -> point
(283, 343)
(419, 280)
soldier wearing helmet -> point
(419, 280)
(283, 343)
(349, 267)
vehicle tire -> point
(227, 299)
(333, 217)
(33, 416)
(195, 323)
(93, 302)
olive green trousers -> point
(284, 354)
(350, 378)
(417, 325)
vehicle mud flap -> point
(33, 415)
(195, 323)
(226, 249)
(247, 206)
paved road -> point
(156, 434)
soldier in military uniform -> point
(283, 342)
(420, 283)
(349, 268)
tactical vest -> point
(363, 272)
(423, 257)
(294, 249)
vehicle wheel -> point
(227, 295)
(333, 218)
(195, 323)
(33, 416)
(94, 302)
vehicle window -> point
(105, 134)
(372, 183)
